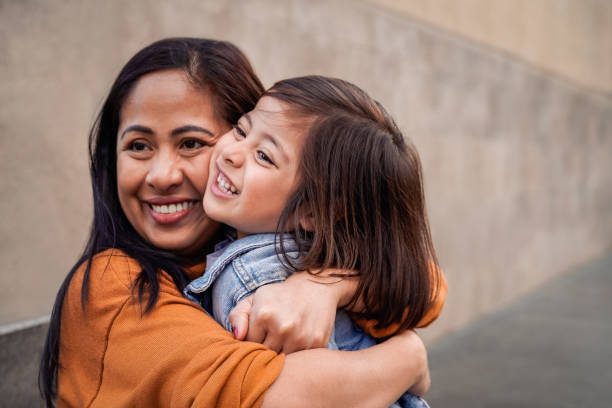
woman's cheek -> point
(199, 171)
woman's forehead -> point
(167, 99)
(162, 88)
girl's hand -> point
(293, 315)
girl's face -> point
(166, 132)
(254, 167)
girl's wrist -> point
(342, 287)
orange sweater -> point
(111, 355)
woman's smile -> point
(168, 210)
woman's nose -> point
(165, 173)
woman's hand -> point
(420, 367)
(377, 376)
(293, 315)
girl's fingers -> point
(274, 343)
(257, 330)
(239, 317)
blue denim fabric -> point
(236, 269)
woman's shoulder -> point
(108, 285)
(112, 267)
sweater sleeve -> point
(173, 356)
(438, 299)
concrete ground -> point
(551, 348)
(20, 353)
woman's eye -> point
(193, 144)
(138, 147)
(238, 131)
(262, 156)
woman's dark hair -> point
(361, 189)
(216, 67)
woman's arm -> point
(176, 355)
(373, 377)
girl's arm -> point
(293, 315)
(373, 377)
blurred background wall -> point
(508, 102)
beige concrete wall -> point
(516, 162)
(570, 38)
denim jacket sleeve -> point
(243, 266)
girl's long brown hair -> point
(361, 188)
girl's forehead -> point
(272, 108)
(275, 121)
(274, 113)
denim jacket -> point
(237, 268)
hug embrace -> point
(249, 247)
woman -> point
(121, 333)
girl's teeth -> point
(225, 186)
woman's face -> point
(166, 131)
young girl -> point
(319, 176)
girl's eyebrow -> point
(269, 137)
(247, 116)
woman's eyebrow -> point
(191, 128)
(177, 131)
(136, 128)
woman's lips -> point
(166, 211)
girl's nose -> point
(233, 155)
(165, 173)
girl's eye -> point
(262, 156)
(137, 146)
(192, 144)
(238, 131)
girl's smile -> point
(222, 186)
(254, 168)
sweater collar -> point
(195, 271)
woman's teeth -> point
(225, 186)
(172, 208)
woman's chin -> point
(189, 240)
